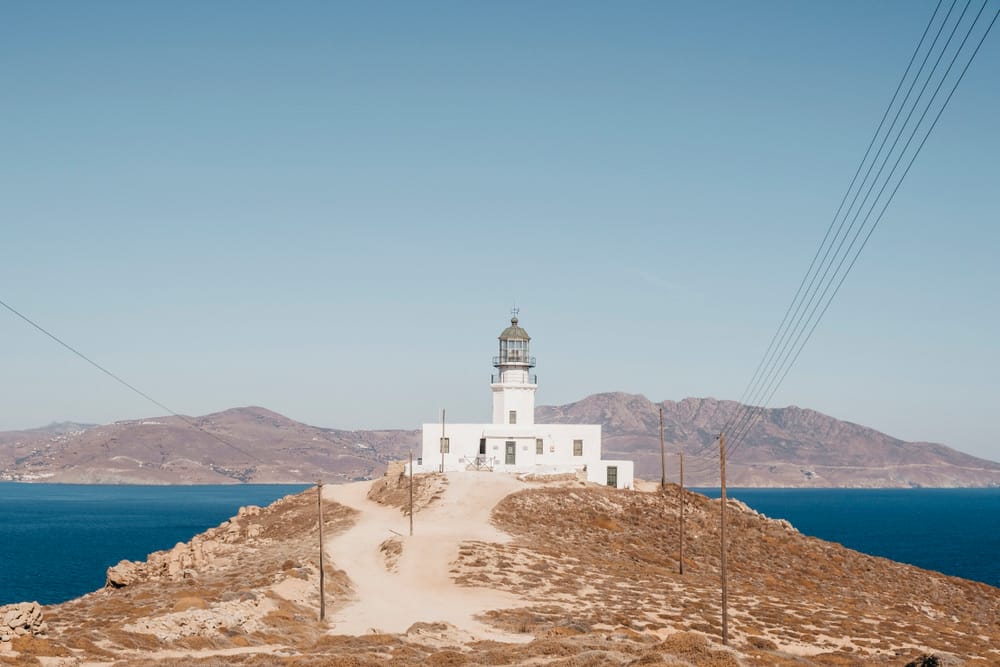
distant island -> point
(787, 447)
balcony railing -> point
(514, 359)
(532, 379)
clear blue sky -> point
(328, 209)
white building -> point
(513, 442)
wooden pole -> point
(442, 439)
(725, 600)
(411, 493)
(680, 557)
(663, 460)
(322, 592)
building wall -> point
(624, 473)
(557, 444)
(508, 397)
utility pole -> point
(725, 600)
(663, 460)
(322, 596)
(411, 493)
(680, 557)
(442, 440)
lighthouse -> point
(512, 442)
(513, 384)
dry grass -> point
(393, 489)
(610, 557)
(281, 545)
(598, 569)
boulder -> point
(20, 619)
(125, 573)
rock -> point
(20, 619)
(249, 510)
(123, 574)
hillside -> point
(788, 447)
(501, 571)
(239, 445)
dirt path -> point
(421, 589)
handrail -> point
(513, 359)
(495, 379)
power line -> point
(756, 388)
(767, 353)
(793, 352)
(797, 328)
(121, 381)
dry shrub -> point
(132, 640)
(349, 643)
(606, 522)
(551, 647)
(88, 647)
(587, 659)
(762, 643)
(446, 658)
(38, 646)
(190, 602)
(391, 549)
(648, 658)
(197, 642)
(393, 488)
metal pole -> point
(680, 557)
(725, 600)
(411, 493)
(663, 460)
(322, 595)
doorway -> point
(510, 453)
(613, 476)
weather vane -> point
(514, 311)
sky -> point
(329, 209)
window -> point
(512, 417)
(445, 445)
(482, 446)
(578, 448)
(613, 476)
(539, 446)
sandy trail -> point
(421, 589)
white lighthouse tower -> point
(513, 385)
(513, 442)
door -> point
(511, 452)
(613, 476)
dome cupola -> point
(514, 347)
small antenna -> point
(515, 310)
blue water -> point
(57, 541)
(955, 531)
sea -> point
(57, 541)
(954, 531)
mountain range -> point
(786, 447)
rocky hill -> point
(239, 445)
(500, 571)
(787, 447)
